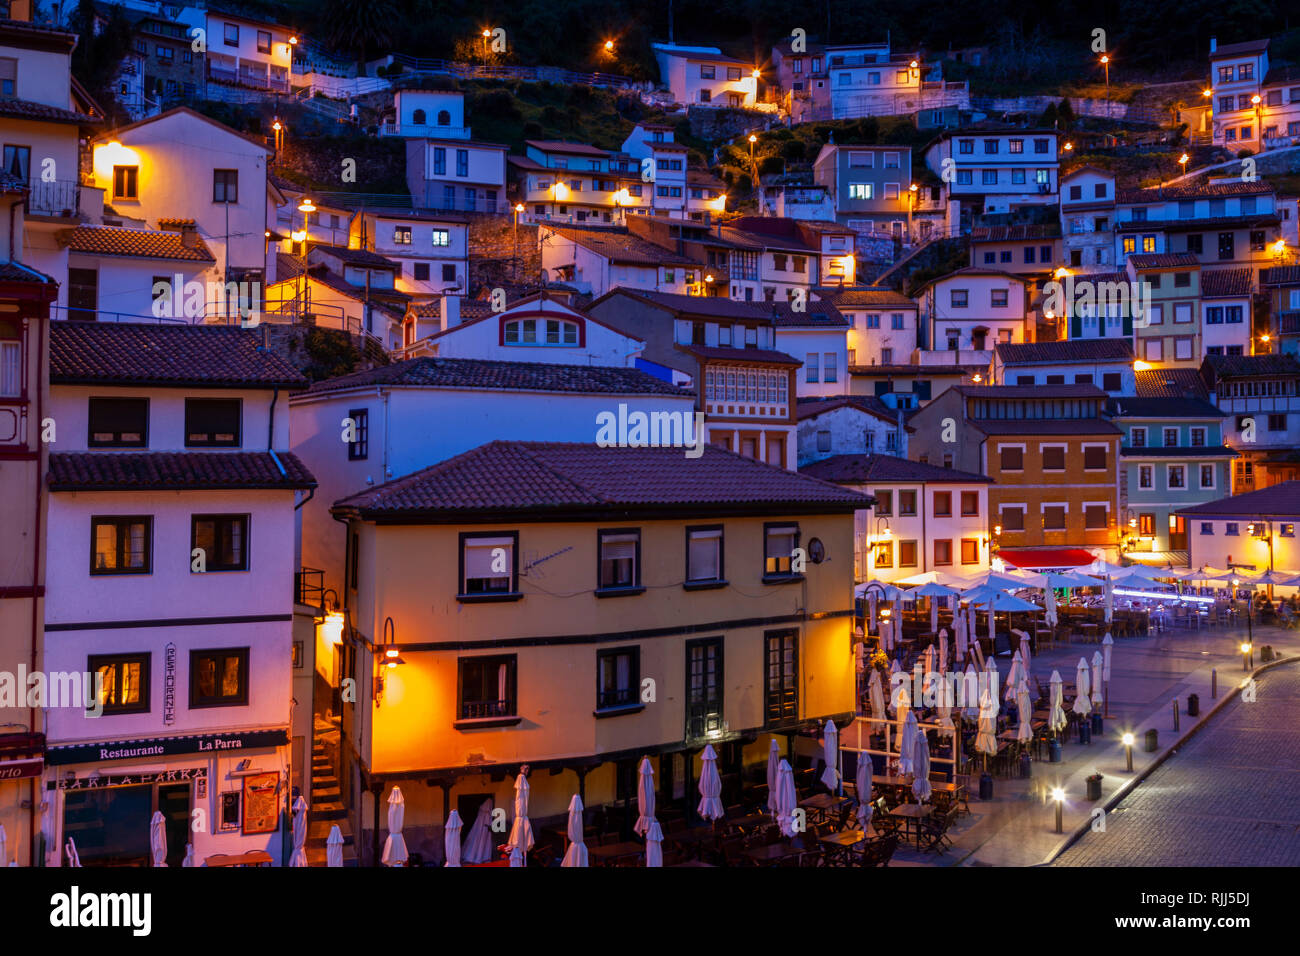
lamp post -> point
(519, 207)
(1246, 657)
(1128, 750)
(1058, 795)
(1105, 62)
(911, 209)
(753, 165)
(1259, 133)
(1182, 161)
(306, 207)
(487, 35)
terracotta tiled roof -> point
(1280, 500)
(571, 149)
(469, 309)
(856, 469)
(164, 223)
(1045, 426)
(356, 257)
(821, 315)
(1280, 275)
(619, 246)
(1163, 260)
(159, 470)
(17, 272)
(703, 306)
(1226, 283)
(1030, 391)
(1070, 350)
(1047, 230)
(430, 372)
(537, 478)
(1162, 406)
(719, 353)
(136, 244)
(125, 353)
(864, 297)
(26, 109)
(1169, 383)
(812, 407)
(1241, 366)
(1239, 49)
(1192, 191)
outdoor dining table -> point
(251, 858)
(822, 807)
(693, 839)
(837, 846)
(773, 854)
(746, 823)
(1089, 632)
(612, 854)
(911, 813)
(887, 781)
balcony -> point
(61, 198)
(423, 130)
(1288, 323)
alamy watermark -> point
(1077, 297)
(179, 299)
(80, 689)
(624, 429)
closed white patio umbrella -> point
(970, 691)
(862, 781)
(189, 855)
(1110, 599)
(991, 678)
(516, 857)
(478, 845)
(1026, 666)
(1097, 664)
(158, 839)
(1025, 732)
(774, 751)
(451, 838)
(1107, 644)
(921, 788)
(645, 797)
(4, 846)
(334, 847)
(986, 741)
(73, 858)
(1056, 719)
(1049, 604)
(903, 703)
(831, 755)
(943, 652)
(959, 632)
(786, 800)
(1013, 677)
(521, 830)
(576, 854)
(654, 845)
(1082, 706)
(395, 846)
(710, 807)
(877, 694)
(299, 855)
(907, 744)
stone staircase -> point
(326, 800)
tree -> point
(361, 27)
(97, 58)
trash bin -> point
(1026, 766)
(1094, 787)
(1096, 724)
(1193, 705)
(1085, 732)
(986, 787)
(1153, 741)
(1054, 751)
(1266, 653)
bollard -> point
(1214, 683)
(1175, 703)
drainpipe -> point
(41, 459)
(270, 427)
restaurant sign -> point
(17, 769)
(166, 746)
(99, 781)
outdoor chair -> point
(933, 832)
(879, 852)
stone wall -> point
(492, 257)
(381, 163)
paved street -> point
(1229, 797)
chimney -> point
(450, 311)
(1214, 43)
(189, 235)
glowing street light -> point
(1058, 795)
(1105, 62)
(1182, 161)
(609, 46)
(1128, 750)
(1246, 659)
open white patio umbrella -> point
(774, 751)
(158, 839)
(299, 855)
(1025, 732)
(395, 846)
(576, 854)
(986, 741)
(334, 847)
(1098, 663)
(521, 830)
(654, 845)
(907, 743)
(1082, 706)
(831, 755)
(921, 788)
(516, 858)
(710, 807)
(645, 797)
(478, 845)
(877, 694)
(188, 860)
(451, 838)
(786, 799)
(1056, 719)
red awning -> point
(1036, 559)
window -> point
(263, 41)
(970, 551)
(1053, 517)
(1110, 381)
(966, 146)
(541, 332)
(1138, 437)
(1207, 476)
(619, 559)
(223, 539)
(1146, 525)
(1053, 458)
(1094, 516)
(959, 298)
(219, 678)
(449, 275)
(1171, 437)
(120, 545)
(618, 677)
(1177, 476)
(1094, 458)
(1146, 476)
(704, 688)
(884, 554)
(708, 71)
(441, 237)
(1198, 437)
(124, 678)
(906, 503)
(781, 540)
(489, 564)
(860, 190)
(225, 185)
(212, 422)
(830, 367)
(1013, 518)
(884, 502)
(1277, 422)
(1012, 457)
(704, 555)
(9, 76)
(118, 423)
(810, 367)
(943, 504)
(231, 34)
(126, 180)
(873, 321)
(907, 554)
(989, 177)
(943, 552)
(420, 271)
(440, 161)
(18, 161)
(487, 687)
(402, 235)
(359, 446)
(462, 162)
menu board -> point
(261, 802)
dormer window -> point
(418, 118)
(541, 332)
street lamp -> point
(915, 191)
(487, 35)
(1069, 146)
(519, 207)
(1128, 750)
(1105, 62)
(306, 207)
(1182, 161)
(1246, 659)
(1259, 133)
(1058, 795)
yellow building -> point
(574, 608)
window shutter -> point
(704, 547)
(478, 557)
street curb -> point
(1124, 790)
